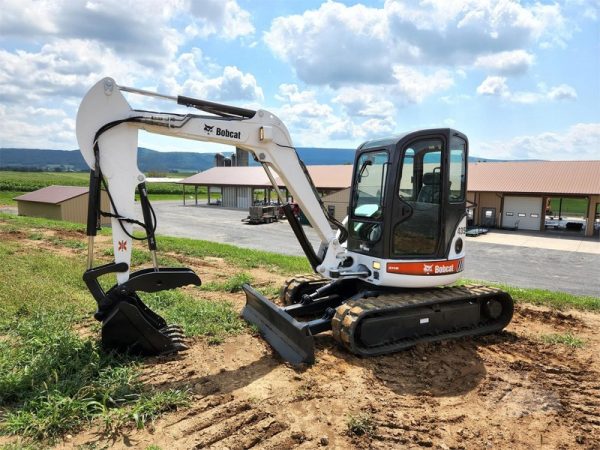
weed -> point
(360, 424)
(563, 339)
(69, 243)
(197, 317)
(146, 409)
(35, 236)
(232, 284)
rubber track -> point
(288, 292)
(349, 315)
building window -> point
(488, 213)
(522, 215)
(510, 214)
(331, 210)
(534, 215)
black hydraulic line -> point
(149, 219)
(313, 259)
(93, 217)
(215, 108)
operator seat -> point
(430, 192)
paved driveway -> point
(576, 272)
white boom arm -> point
(264, 135)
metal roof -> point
(540, 177)
(53, 194)
(324, 177)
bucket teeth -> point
(179, 346)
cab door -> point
(429, 195)
(419, 198)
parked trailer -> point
(261, 214)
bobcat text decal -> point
(223, 132)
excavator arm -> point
(107, 132)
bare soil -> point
(508, 390)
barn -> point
(516, 195)
(239, 187)
(68, 203)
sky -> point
(520, 78)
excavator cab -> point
(408, 195)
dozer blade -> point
(290, 338)
(127, 329)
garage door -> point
(523, 213)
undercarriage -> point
(372, 321)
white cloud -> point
(334, 44)
(580, 142)
(66, 68)
(508, 63)
(562, 92)
(312, 123)
(412, 86)
(337, 44)
(364, 103)
(36, 128)
(495, 86)
(233, 84)
(224, 18)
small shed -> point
(60, 203)
(337, 203)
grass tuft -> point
(567, 339)
(360, 424)
(231, 285)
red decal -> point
(427, 268)
(122, 246)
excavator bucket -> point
(291, 339)
(128, 325)
(129, 328)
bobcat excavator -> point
(378, 276)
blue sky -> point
(521, 79)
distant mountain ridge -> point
(152, 160)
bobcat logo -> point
(427, 268)
(208, 129)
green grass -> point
(570, 206)
(567, 339)
(558, 300)
(53, 380)
(236, 256)
(6, 197)
(360, 424)
(232, 284)
(30, 181)
(20, 182)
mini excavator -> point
(381, 279)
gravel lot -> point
(560, 270)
